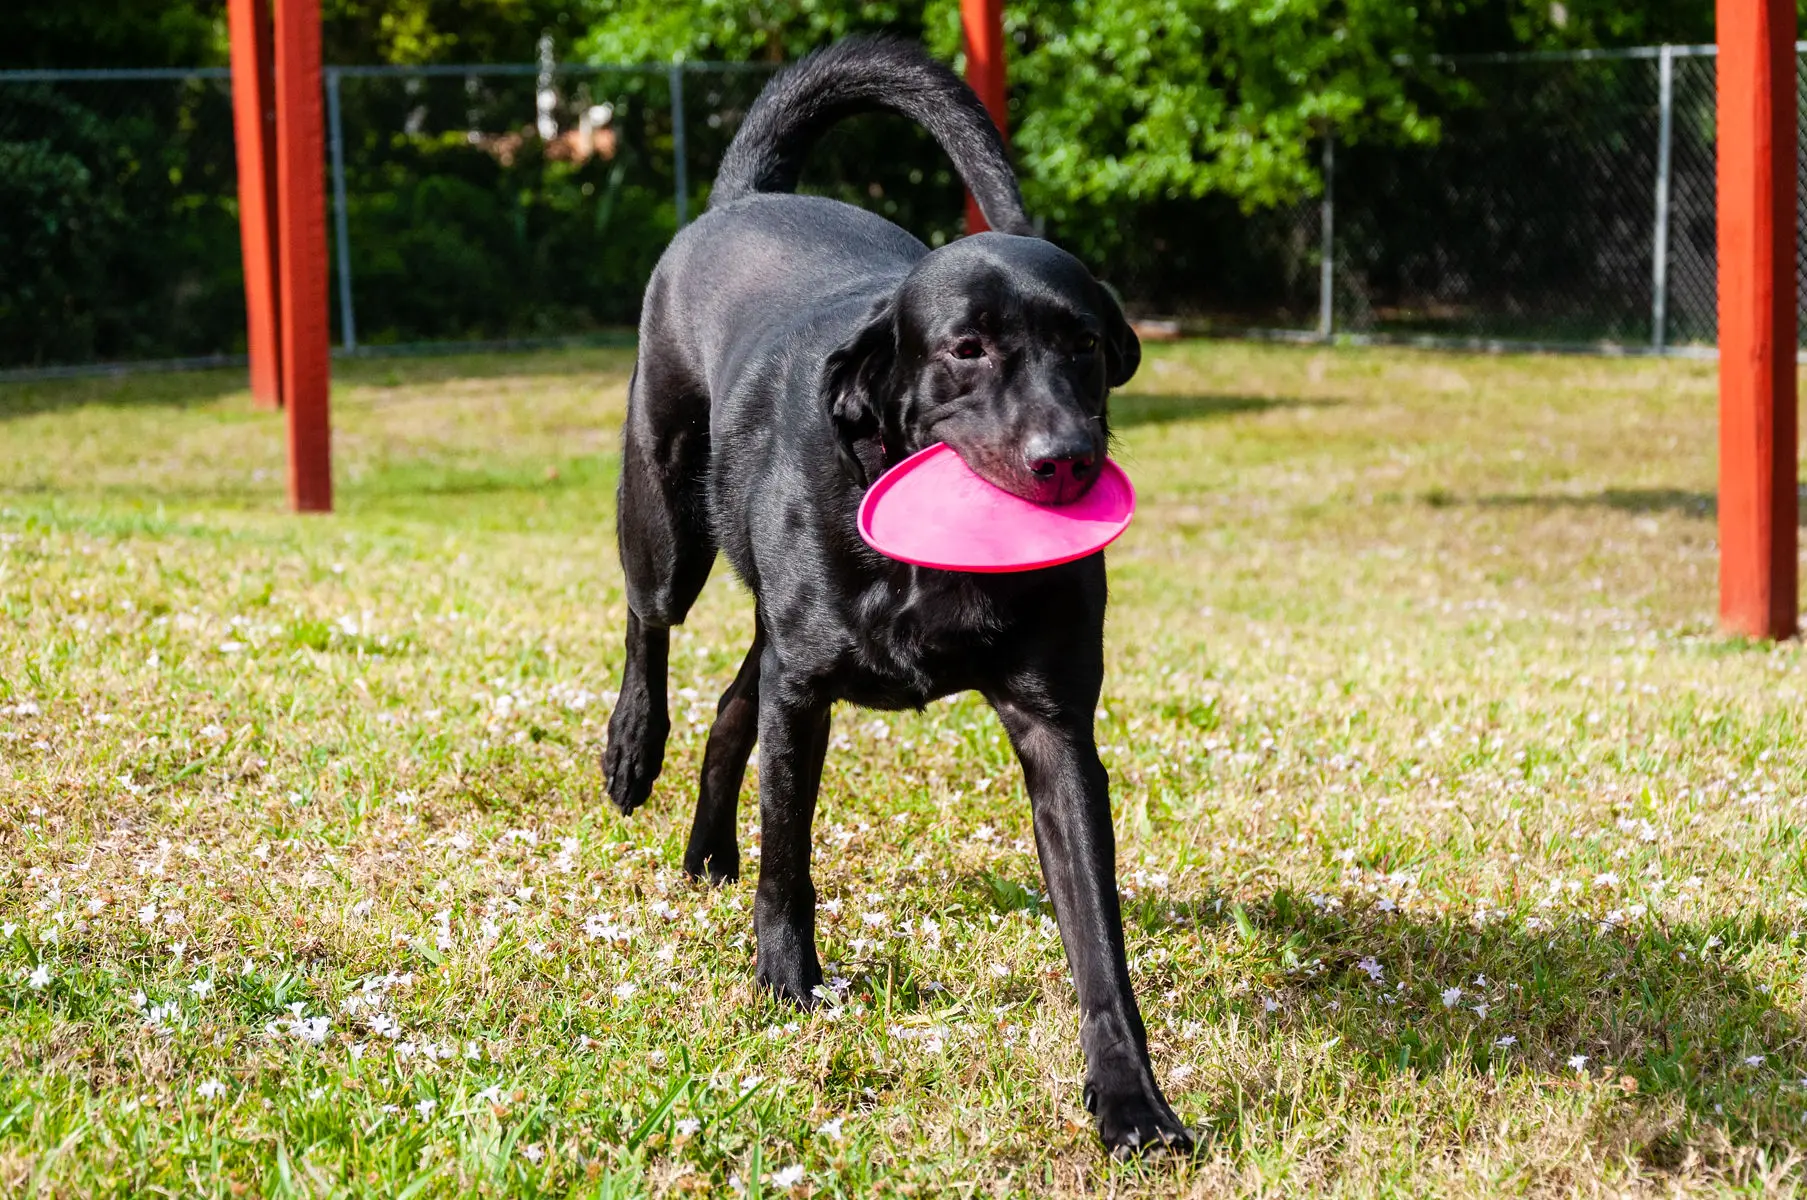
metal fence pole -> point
(680, 168)
(348, 324)
(1327, 244)
(1659, 247)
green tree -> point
(114, 33)
(1114, 100)
(1118, 101)
(735, 30)
(1127, 100)
(441, 31)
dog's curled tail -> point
(865, 74)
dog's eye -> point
(1085, 343)
(968, 348)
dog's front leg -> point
(1069, 793)
(793, 738)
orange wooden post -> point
(301, 254)
(1757, 455)
(254, 129)
(982, 23)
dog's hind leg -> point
(714, 849)
(667, 548)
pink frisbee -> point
(932, 510)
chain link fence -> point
(518, 203)
(1568, 202)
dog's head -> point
(1003, 347)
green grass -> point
(1414, 685)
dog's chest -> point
(916, 639)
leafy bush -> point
(120, 236)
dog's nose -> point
(1065, 463)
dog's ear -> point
(853, 380)
(1122, 348)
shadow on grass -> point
(1131, 409)
(1700, 1050)
(176, 389)
(1645, 501)
(194, 389)
(1630, 500)
(1658, 1009)
(414, 490)
(613, 354)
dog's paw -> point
(1136, 1122)
(795, 981)
(636, 751)
(717, 866)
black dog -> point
(792, 348)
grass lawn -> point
(1461, 854)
